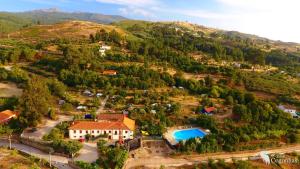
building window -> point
(124, 136)
(116, 132)
(80, 131)
(109, 131)
(126, 131)
(98, 131)
(92, 131)
(104, 132)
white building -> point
(103, 49)
(114, 126)
(293, 112)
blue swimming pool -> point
(186, 134)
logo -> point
(265, 157)
(277, 158)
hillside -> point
(10, 22)
(163, 75)
(68, 29)
(141, 28)
(13, 21)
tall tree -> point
(34, 103)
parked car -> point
(34, 129)
(99, 95)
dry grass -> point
(70, 29)
(12, 160)
(9, 90)
(188, 103)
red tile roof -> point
(106, 122)
(109, 72)
(6, 115)
(110, 117)
(210, 109)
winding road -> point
(57, 161)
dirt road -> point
(46, 128)
(102, 106)
(156, 162)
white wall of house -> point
(112, 134)
(103, 49)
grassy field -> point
(9, 90)
(11, 159)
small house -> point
(99, 95)
(88, 93)
(81, 108)
(292, 112)
(7, 115)
(208, 110)
(153, 111)
(109, 72)
(103, 49)
(61, 102)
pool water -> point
(180, 135)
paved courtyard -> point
(88, 153)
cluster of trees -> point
(16, 75)
(102, 35)
(158, 113)
(34, 103)
(59, 132)
(111, 157)
(57, 135)
(67, 147)
(274, 84)
(167, 38)
(8, 103)
(247, 111)
(16, 55)
(37, 100)
(128, 77)
(85, 165)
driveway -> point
(88, 153)
(46, 128)
(102, 106)
(57, 161)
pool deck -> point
(169, 134)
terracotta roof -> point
(109, 72)
(7, 115)
(94, 125)
(210, 109)
(110, 117)
(129, 123)
(106, 122)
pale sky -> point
(274, 19)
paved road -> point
(47, 127)
(102, 106)
(88, 153)
(57, 161)
(156, 162)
